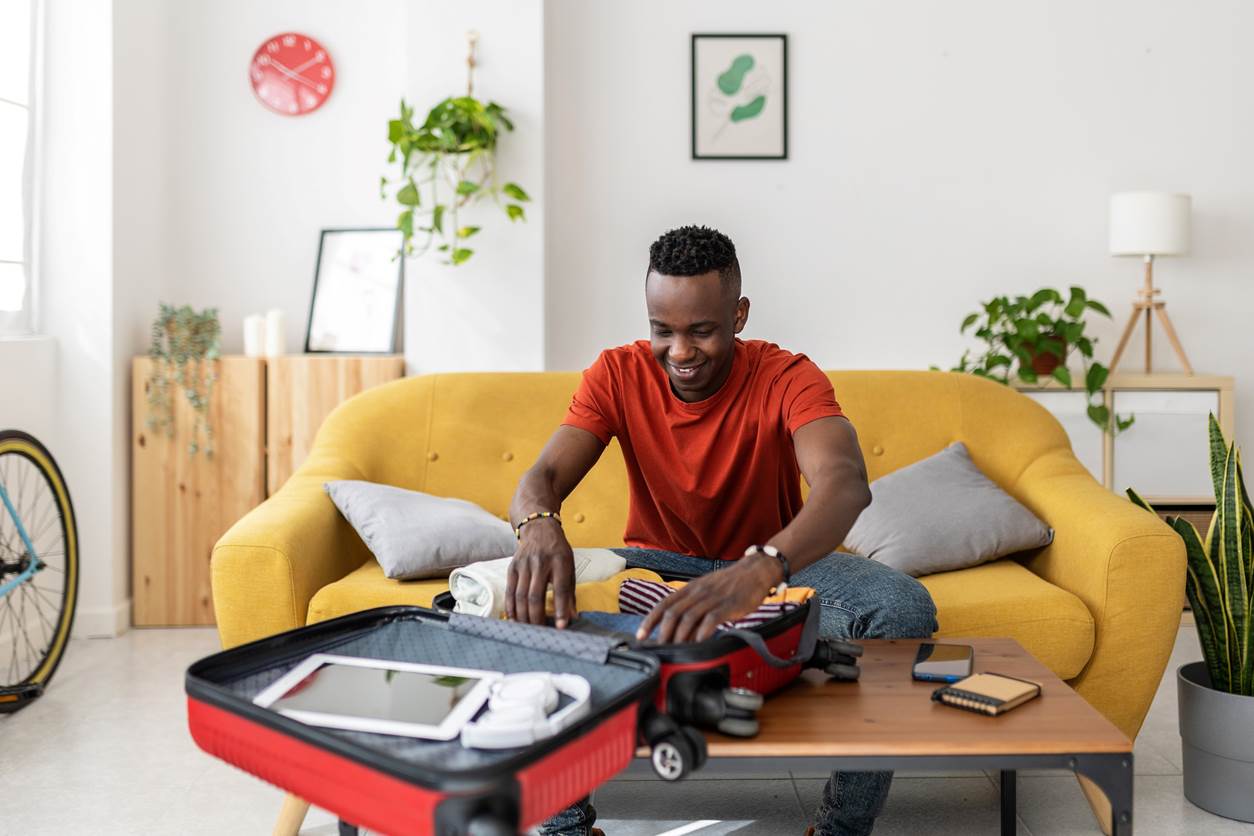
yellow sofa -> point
(1099, 606)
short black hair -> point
(695, 251)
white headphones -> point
(519, 706)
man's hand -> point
(694, 612)
(544, 556)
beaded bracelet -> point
(538, 515)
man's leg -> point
(575, 820)
(862, 599)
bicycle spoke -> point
(39, 604)
(38, 648)
(26, 638)
(13, 680)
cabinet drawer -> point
(1070, 408)
(1165, 453)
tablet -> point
(375, 695)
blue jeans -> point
(858, 599)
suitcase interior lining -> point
(414, 640)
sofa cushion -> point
(1006, 599)
(367, 587)
(942, 514)
(417, 535)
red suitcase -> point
(402, 785)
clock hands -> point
(306, 65)
(292, 75)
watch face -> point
(292, 74)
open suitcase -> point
(719, 684)
(406, 785)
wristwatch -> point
(771, 551)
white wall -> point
(489, 313)
(77, 301)
(940, 153)
(27, 372)
(222, 200)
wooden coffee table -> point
(886, 720)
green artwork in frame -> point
(739, 97)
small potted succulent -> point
(1031, 337)
(1216, 695)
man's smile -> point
(686, 372)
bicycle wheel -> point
(37, 608)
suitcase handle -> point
(805, 648)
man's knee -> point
(908, 612)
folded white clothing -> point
(479, 588)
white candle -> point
(254, 335)
(275, 341)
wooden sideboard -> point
(1164, 454)
(265, 414)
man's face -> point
(693, 322)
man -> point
(716, 432)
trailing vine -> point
(185, 344)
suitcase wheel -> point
(739, 726)
(490, 825)
(836, 658)
(678, 754)
(848, 673)
(742, 698)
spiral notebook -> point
(987, 693)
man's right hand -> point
(544, 557)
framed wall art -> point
(357, 292)
(739, 97)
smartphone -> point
(942, 662)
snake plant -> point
(1220, 581)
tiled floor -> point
(107, 751)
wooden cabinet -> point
(264, 415)
(182, 503)
(1164, 455)
(302, 390)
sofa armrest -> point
(269, 564)
(1128, 568)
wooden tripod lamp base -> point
(1147, 224)
(1146, 303)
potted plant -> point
(448, 162)
(184, 345)
(1031, 337)
(1216, 695)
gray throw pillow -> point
(941, 514)
(417, 535)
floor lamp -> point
(1149, 224)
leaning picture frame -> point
(739, 96)
(358, 280)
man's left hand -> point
(694, 612)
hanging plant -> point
(447, 164)
(184, 345)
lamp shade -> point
(1149, 223)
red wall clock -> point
(292, 74)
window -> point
(18, 84)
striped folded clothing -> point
(637, 596)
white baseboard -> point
(102, 622)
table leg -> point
(1009, 806)
(1113, 776)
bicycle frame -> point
(30, 570)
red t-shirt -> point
(714, 477)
